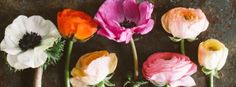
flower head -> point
(76, 24)
(212, 54)
(184, 23)
(26, 40)
(93, 68)
(169, 68)
(120, 19)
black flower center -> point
(29, 41)
(128, 24)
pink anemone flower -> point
(121, 19)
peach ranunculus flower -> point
(169, 69)
(76, 24)
(184, 23)
(93, 68)
(212, 55)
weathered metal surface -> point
(221, 14)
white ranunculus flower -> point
(26, 40)
(93, 68)
(212, 54)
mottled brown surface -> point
(221, 14)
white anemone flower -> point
(26, 41)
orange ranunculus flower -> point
(76, 24)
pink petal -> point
(185, 81)
(144, 28)
(131, 11)
(145, 9)
(111, 10)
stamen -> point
(29, 41)
(128, 24)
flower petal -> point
(13, 62)
(46, 43)
(9, 47)
(77, 83)
(98, 69)
(145, 9)
(13, 33)
(113, 62)
(185, 81)
(223, 58)
(33, 58)
(39, 25)
(115, 12)
(131, 11)
(145, 28)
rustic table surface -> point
(220, 13)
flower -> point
(184, 23)
(212, 54)
(169, 69)
(93, 68)
(76, 24)
(120, 19)
(26, 40)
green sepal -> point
(208, 72)
(134, 83)
(101, 84)
(191, 40)
(105, 82)
(54, 53)
(174, 39)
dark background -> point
(220, 13)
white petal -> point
(9, 47)
(46, 43)
(39, 25)
(97, 70)
(33, 58)
(13, 33)
(77, 83)
(223, 58)
(13, 62)
(186, 81)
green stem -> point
(135, 56)
(67, 63)
(211, 80)
(182, 49)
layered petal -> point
(212, 54)
(184, 23)
(76, 24)
(168, 68)
(93, 68)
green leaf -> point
(174, 39)
(54, 53)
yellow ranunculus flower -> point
(93, 68)
(212, 54)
